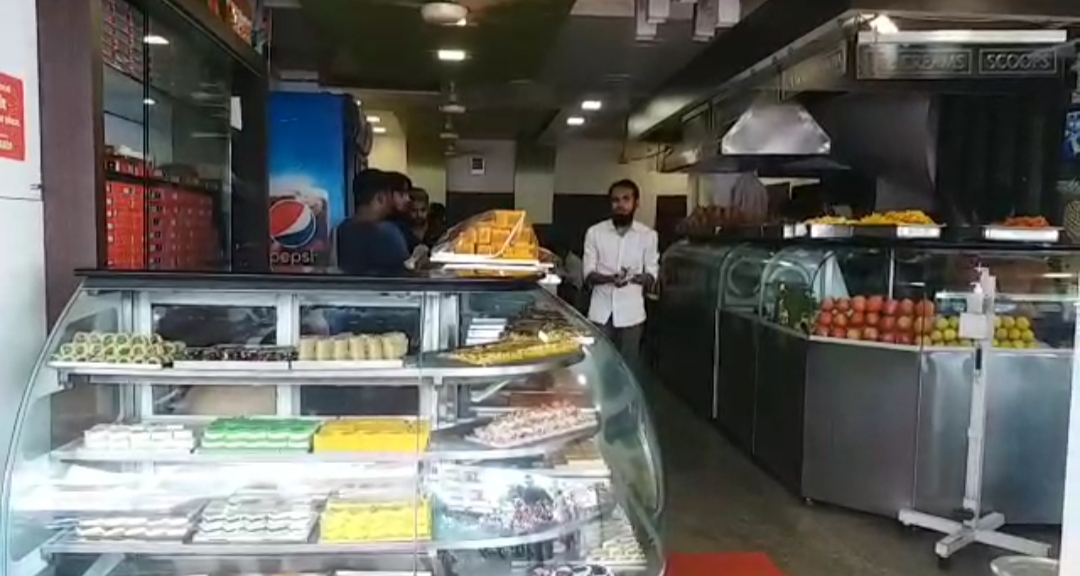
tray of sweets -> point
(998, 233)
(898, 231)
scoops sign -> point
(12, 127)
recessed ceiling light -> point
(592, 105)
(374, 119)
(452, 55)
(155, 40)
(149, 101)
(575, 121)
(378, 129)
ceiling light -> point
(452, 108)
(443, 13)
(379, 129)
(452, 55)
(575, 121)
(374, 119)
(592, 105)
(882, 24)
(149, 101)
(359, 102)
(155, 40)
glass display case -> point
(845, 351)
(173, 104)
(197, 423)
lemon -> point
(954, 322)
(936, 336)
(950, 335)
(1006, 344)
(1023, 323)
(995, 343)
(997, 321)
(941, 323)
(1008, 321)
(1015, 334)
(1001, 333)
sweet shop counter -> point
(841, 367)
(218, 424)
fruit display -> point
(496, 234)
(1026, 222)
(1014, 331)
(372, 435)
(875, 318)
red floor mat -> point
(721, 564)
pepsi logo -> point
(292, 223)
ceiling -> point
(531, 62)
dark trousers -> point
(627, 340)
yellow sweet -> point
(372, 435)
(355, 521)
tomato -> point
(821, 331)
(826, 304)
(870, 333)
(854, 334)
(857, 319)
(838, 332)
(928, 308)
(888, 323)
(891, 307)
(888, 337)
(903, 324)
(875, 303)
(824, 318)
(858, 303)
(839, 320)
(872, 318)
(907, 307)
(903, 338)
(919, 325)
(843, 304)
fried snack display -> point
(515, 349)
(898, 217)
(492, 235)
(1026, 222)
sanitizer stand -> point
(976, 324)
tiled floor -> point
(717, 500)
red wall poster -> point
(12, 116)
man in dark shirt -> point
(368, 243)
(401, 215)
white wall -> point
(388, 153)
(22, 265)
(499, 167)
(590, 166)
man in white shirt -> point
(621, 262)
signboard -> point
(929, 61)
(821, 71)
(12, 119)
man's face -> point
(401, 202)
(623, 205)
(419, 211)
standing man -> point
(418, 214)
(369, 243)
(621, 261)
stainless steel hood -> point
(771, 137)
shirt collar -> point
(611, 226)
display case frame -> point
(631, 487)
(822, 413)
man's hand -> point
(643, 279)
(598, 279)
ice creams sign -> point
(12, 127)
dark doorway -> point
(573, 214)
(670, 210)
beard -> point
(622, 220)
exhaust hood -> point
(770, 137)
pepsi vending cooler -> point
(313, 155)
